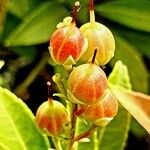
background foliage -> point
(26, 27)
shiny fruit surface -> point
(106, 108)
(67, 41)
(87, 83)
(100, 37)
(51, 116)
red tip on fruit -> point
(75, 11)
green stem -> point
(96, 143)
(22, 88)
(73, 108)
(100, 135)
(57, 143)
(85, 134)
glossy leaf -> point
(136, 103)
(37, 26)
(134, 14)
(133, 60)
(119, 127)
(120, 76)
(18, 130)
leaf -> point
(17, 128)
(83, 15)
(23, 7)
(37, 27)
(133, 60)
(134, 14)
(3, 10)
(10, 24)
(137, 104)
(120, 76)
(81, 127)
(119, 127)
(27, 53)
(140, 40)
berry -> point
(100, 37)
(101, 113)
(87, 83)
(52, 117)
(67, 41)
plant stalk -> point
(73, 108)
(85, 134)
(57, 143)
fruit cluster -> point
(93, 45)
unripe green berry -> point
(87, 83)
(104, 111)
(98, 36)
(52, 117)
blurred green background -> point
(26, 27)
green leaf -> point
(119, 127)
(18, 130)
(141, 40)
(137, 129)
(133, 60)
(134, 14)
(27, 53)
(120, 76)
(23, 7)
(136, 103)
(81, 127)
(38, 26)
(83, 15)
(10, 24)
(3, 10)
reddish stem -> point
(91, 7)
(75, 11)
(85, 134)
